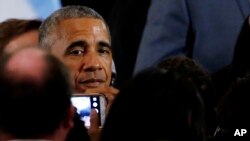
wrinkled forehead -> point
(82, 24)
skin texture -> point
(27, 64)
(83, 44)
(28, 39)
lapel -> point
(244, 6)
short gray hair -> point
(47, 29)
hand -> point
(109, 92)
(94, 130)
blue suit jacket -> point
(214, 24)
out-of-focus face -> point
(27, 63)
(83, 44)
(28, 39)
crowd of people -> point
(179, 95)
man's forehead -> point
(96, 29)
(97, 25)
(81, 29)
(27, 63)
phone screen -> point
(84, 104)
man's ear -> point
(69, 119)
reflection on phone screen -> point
(84, 105)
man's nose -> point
(92, 62)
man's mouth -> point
(92, 83)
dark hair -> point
(232, 110)
(12, 28)
(28, 110)
(156, 105)
(193, 72)
(190, 69)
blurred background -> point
(29, 9)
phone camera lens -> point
(95, 104)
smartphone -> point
(85, 102)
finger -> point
(114, 90)
(94, 120)
(93, 130)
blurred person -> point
(232, 112)
(35, 97)
(198, 76)
(203, 30)
(240, 65)
(156, 105)
(233, 82)
(18, 33)
(79, 37)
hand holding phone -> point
(109, 92)
(85, 102)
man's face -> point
(83, 44)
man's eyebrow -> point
(77, 43)
(102, 43)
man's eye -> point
(76, 52)
(104, 50)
